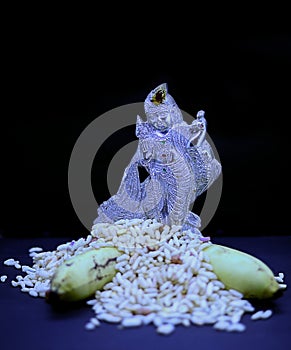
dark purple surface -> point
(32, 323)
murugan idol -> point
(179, 161)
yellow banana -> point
(243, 272)
(80, 276)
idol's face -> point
(161, 120)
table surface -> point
(32, 323)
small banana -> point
(243, 272)
(82, 275)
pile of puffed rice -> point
(163, 278)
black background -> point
(63, 71)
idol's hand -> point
(201, 121)
(200, 114)
(146, 149)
